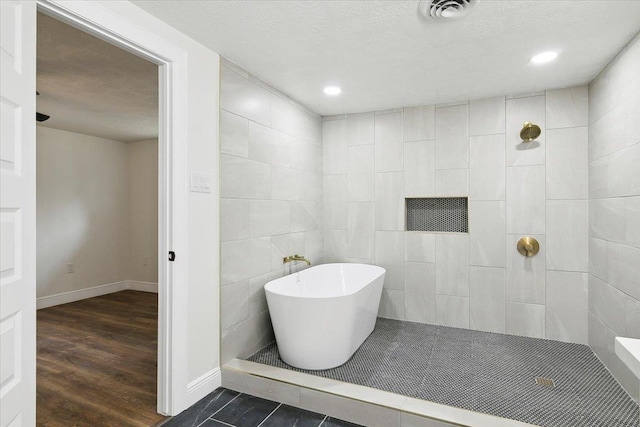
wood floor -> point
(97, 362)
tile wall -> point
(478, 280)
(271, 206)
(614, 209)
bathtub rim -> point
(268, 289)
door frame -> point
(103, 23)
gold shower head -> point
(529, 132)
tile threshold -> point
(385, 399)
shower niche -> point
(437, 214)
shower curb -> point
(350, 402)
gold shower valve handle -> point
(528, 246)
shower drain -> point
(545, 381)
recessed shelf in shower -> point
(438, 214)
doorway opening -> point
(99, 199)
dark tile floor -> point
(227, 408)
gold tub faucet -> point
(295, 258)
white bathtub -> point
(323, 314)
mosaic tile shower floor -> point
(484, 372)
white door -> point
(17, 214)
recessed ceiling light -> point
(544, 57)
(332, 90)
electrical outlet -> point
(70, 268)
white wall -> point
(82, 211)
(477, 280)
(142, 171)
(614, 209)
(271, 201)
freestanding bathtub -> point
(323, 314)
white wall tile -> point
(526, 319)
(305, 156)
(419, 123)
(307, 185)
(282, 183)
(360, 129)
(419, 168)
(623, 266)
(257, 297)
(598, 262)
(392, 304)
(608, 304)
(452, 311)
(305, 216)
(360, 243)
(419, 247)
(632, 318)
(334, 146)
(520, 110)
(452, 182)
(268, 217)
(525, 275)
(616, 175)
(598, 338)
(267, 145)
(334, 246)
(361, 173)
(607, 219)
(313, 249)
(608, 134)
(335, 202)
(234, 219)
(568, 235)
(452, 137)
(487, 116)
(243, 259)
(452, 264)
(389, 254)
(388, 143)
(567, 306)
(567, 164)
(420, 292)
(526, 200)
(389, 213)
(244, 179)
(234, 300)
(487, 233)
(234, 134)
(632, 217)
(247, 337)
(488, 299)
(487, 167)
(240, 96)
(568, 107)
(282, 115)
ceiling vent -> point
(446, 10)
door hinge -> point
(172, 256)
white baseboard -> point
(203, 385)
(95, 291)
(135, 285)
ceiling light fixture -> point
(544, 57)
(332, 90)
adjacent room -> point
(97, 231)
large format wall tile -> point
(245, 98)
(567, 108)
(452, 311)
(419, 168)
(267, 145)
(452, 137)
(234, 134)
(335, 202)
(526, 200)
(334, 158)
(567, 235)
(525, 275)
(567, 164)
(360, 234)
(419, 247)
(245, 179)
(420, 292)
(488, 299)
(487, 116)
(487, 167)
(389, 254)
(389, 213)
(567, 306)
(361, 173)
(487, 233)
(452, 264)
(360, 129)
(526, 319)
(419, 123)
(388, 142)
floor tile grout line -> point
(222, 407)
(323, 420)
(271, 413)
(222, 422)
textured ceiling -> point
(89, 86)
(384, 55)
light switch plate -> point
(201, 182)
